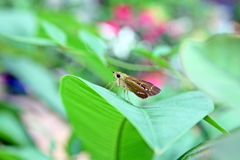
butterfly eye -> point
(118, 76)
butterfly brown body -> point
(141, 88)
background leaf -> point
(111, 118)
(74, 145)
(54, 32)
(18, 22)
(17, 153)
(29, 40)
(190, 139)
(228, 118)
(41, 82)
(213, 123)
(161, 50)
(11, 130)
(160, 61)
(216, 67)
(201, 151)
(96, 44)
(224, 148)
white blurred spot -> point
(221, 20)
(124, 42)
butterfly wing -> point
(141, 88)
(135, 88)
(149, 88)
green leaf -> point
(80, 51)
(130, 66)
(161, 50)
(27, 153)
(161, 62)
(214, 67)
(201, 151)
(190, 139)
(112, 128)
(91, 62)
(11, 129)
(216, 125)
(29, 40)
(96, 44)
(228, 118)
(224, 148)
(228, 147)
(54, 32)
(18, 22)
(40, 81)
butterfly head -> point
(118, 75)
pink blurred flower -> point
(150, 23)
(146, 19)
(122, 13)
(152, 34)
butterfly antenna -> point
(111, 69)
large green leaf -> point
(214, 67)
(26, 153)
(111, 128)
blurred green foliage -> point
(40, 41)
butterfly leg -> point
(109, 84)
(128, 96)
(118, 90)
(112, 87)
